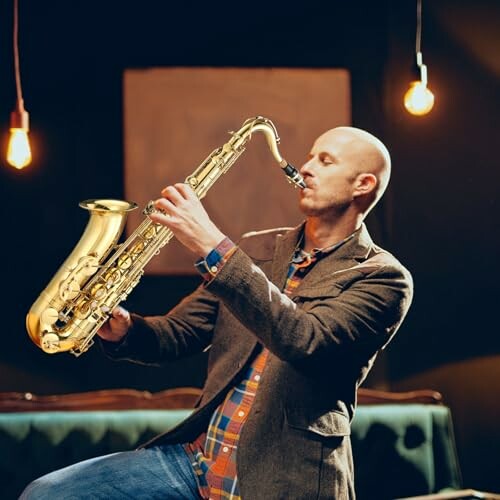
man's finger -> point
(172, 194)
(187, 191)
(165, 220)
(165, 205)
(121, 314)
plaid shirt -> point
(213, 453)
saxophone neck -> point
(261, 124)
(267, 127)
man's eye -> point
(326, 161)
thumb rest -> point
(99, 274)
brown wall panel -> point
(174, 118)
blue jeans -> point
(158, 472)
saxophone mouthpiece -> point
(293, 175)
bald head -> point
(367, 154)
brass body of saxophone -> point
(99, 274)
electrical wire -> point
(17, 71)
(418, 36)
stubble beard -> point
(333, 209)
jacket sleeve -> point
(187, 329)
(368, 311)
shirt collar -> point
(301, 255)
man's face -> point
(330, 173)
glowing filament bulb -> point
(18, 150)
(418, 99)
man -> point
(295, 320)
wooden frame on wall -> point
(174, 118)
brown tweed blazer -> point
(322, 342)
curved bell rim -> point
(108, 205)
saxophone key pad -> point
(50, 343)
(69, 290)
(49, 316)
(88, 265)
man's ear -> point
(364, 184)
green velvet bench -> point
(403, 442)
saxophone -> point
(99, 273)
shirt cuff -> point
(213, 262)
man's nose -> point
(305, 169)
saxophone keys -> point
(50, 343)
(95, 317)
(69, 290)
(83, 311)
(98, 292)
(125, 261)
(88, 265)
(105, 309)
(149, 208)
(138, 248)
(150, 233)
(49, 316)
(109, 279)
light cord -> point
(418, 36)
(17, 72)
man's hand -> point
(186, 217)
(117, 326)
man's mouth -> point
(305, 192)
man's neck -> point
(321, 232)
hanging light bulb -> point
(418, 99)
(18, 150)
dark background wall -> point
(439, 216)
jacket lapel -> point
(283, 253)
